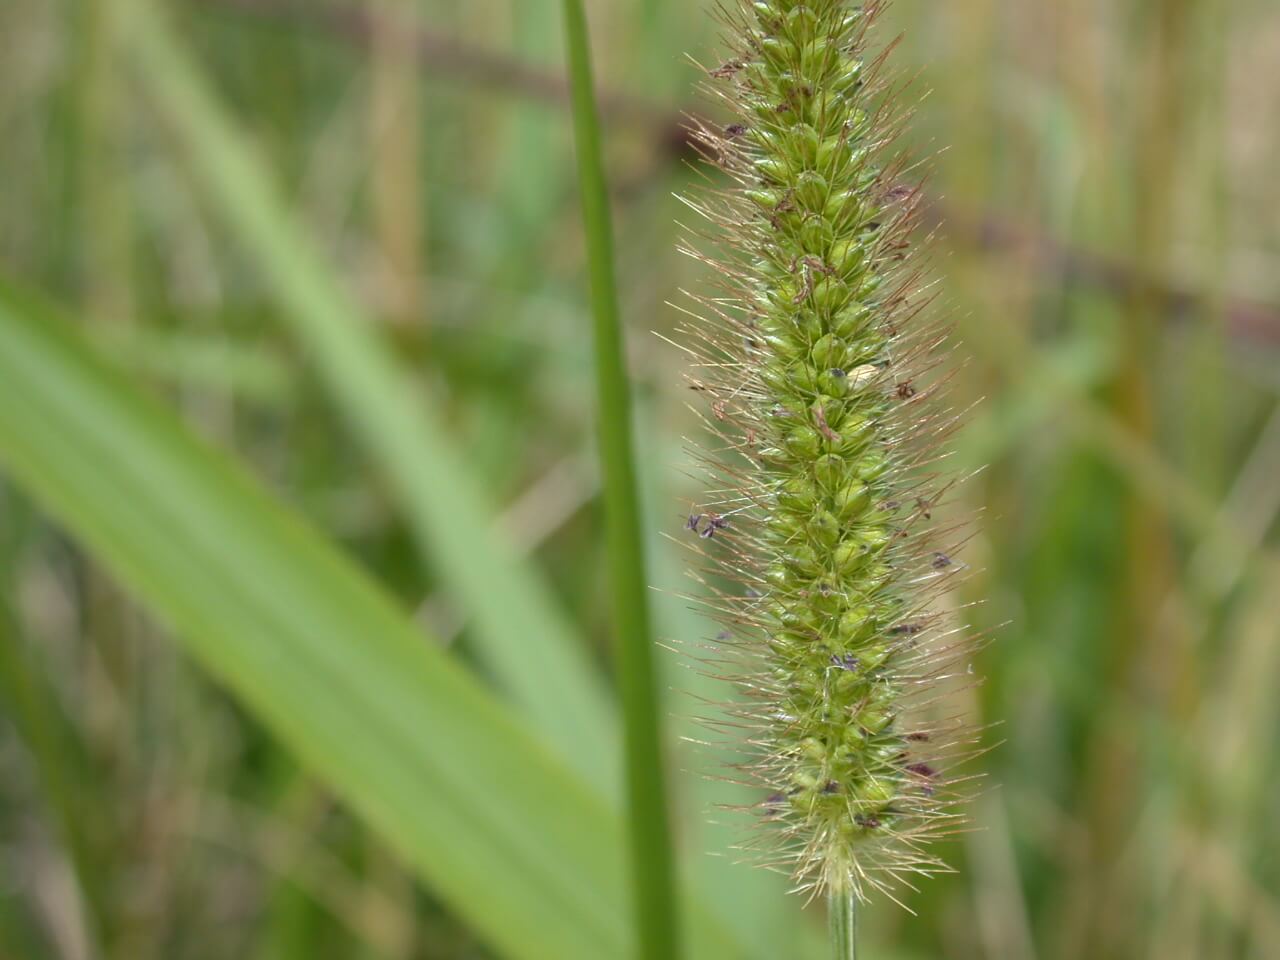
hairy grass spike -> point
(825, 414)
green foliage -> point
(524, 639)
(401, 733)
(1104, 209)
(409, 740)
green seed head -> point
(805, 364)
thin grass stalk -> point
(647, 819)
(395, 141)
(842, 918)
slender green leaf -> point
(525, 639)
(516, 845)
(647, 815)
(527, 852)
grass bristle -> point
(818, 367)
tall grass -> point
(1117, 307)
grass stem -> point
(647, 817)
(842, 911)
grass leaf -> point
(519, 846)
(525, 640)
(516, 844)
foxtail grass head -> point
(823, 400)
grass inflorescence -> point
(819, 367)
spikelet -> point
(823, 406)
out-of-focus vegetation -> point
(273, 216)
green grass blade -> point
(647, 816)
(519, 847)
(525, 640)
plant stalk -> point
(653, 870)
(842, 911)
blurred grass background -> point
(1110, 249)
